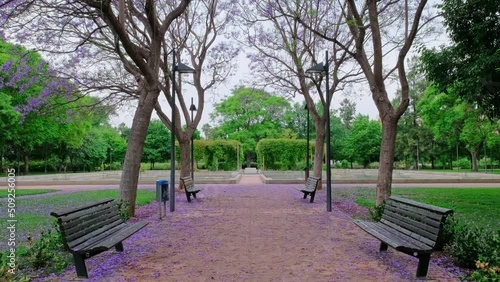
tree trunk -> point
(318, 151)
(26, 166)
(389, 130)
(185, 153)
(132, 164)
(473, 155)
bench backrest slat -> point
(96, 235)
(312, 183)
(188, 183)
(420, 221)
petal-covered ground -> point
(253, 233)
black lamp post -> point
(307, 146)
(180, 68)
(192, 108)
(320, 68)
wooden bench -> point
(188, 184)
(94, 228)
(410, 227)
(310, 188)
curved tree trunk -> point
(185, 153)
(319, 150)
(386, 165)
(132, 163)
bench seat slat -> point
(117, 237)
(108, 229)
(391, 238)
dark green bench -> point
(310, 188)
(188, 184)
(94, 228)
(410, 227)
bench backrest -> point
(312, 183)
(418, 220)
(82, 223)
(188, 183)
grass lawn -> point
(33, 214)
(24, 192)
(475, 206)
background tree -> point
(157, 145)
(282, 50)
(368, 23)
(469, 66)
(248, 116)
(363, 142)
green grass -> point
(475, 206)
(24, 192)
(33, 214)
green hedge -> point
(283, 154)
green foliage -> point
(217, 154)
(470, 244)
(376, 212)
(157, 144)
(469, 65)
(463, 163)
(282, 154)
(363, 142)
(46, 253)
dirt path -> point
(252, 233)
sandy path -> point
(252, 233)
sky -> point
(363, 100)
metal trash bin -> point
(162, 194)
(161, 190)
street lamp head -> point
(182, 68)
(318, 68)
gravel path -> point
(253, 233)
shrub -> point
(463, 163)
(376, 212)
(47, 253)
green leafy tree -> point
(249, 115)
(445, 112)
(157, 145)
(363, 142)
(469, 67)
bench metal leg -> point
(312, 197)
(188, 197)
(81, 269)
(194, 195)
(423, 265)
(119, 247)
(383, 247)
(305, 195)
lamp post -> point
(320, 68)
(180, 68)
(192, 108)
(307, 146)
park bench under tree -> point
(410, 227)
(93, 228)
(188, 184)
(310, 188)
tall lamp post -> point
(180, 68)
(323, 68)
(307, 146)
(192, 108)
